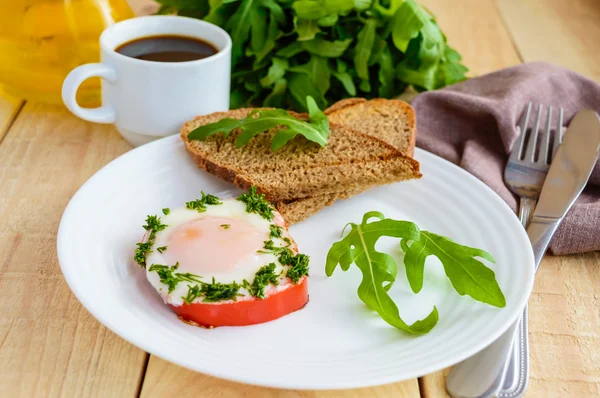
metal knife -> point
(568, 175)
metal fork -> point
(502, 369)
(516, 372)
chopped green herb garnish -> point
(193, 294)
(143, 249)
(286, 257)
(265, 275)
(270, 247)
(276, 231)
(166, 211)
(188, 277)
(153, 225)
(225, 226)
(217, 291)
(161, 249)
(166, 274)
(210, 199)
(298, 267)
(197, 205)
(169, 277)
(200, 204)
(256, 203)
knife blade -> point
(571, 167)
(570, 170)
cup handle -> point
(103, 114)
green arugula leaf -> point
(317, 118)
(362, 51)
(311, 9)
(277, 12)
(365, 86)
(378, 269)
(307, 29)
(407, 23)
(468, 275)
(276, 72)
(387, 11)
(344, 78)
(325, 48)
(239, 26)
(300, 86)
(317, 70)
(328, 21)
(219, 12)
(276, 97)
(386, 73)
(260, 120)
(290, 51)
(273, 34)
(258, 37)
(450, 70)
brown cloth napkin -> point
(473, 124)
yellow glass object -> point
(42, 40)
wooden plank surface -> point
(9, 108)
(565, 33)
(164, 379)
(475, 29)
(564, 328)
(49, 344)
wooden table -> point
(51, 346)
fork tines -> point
(536, 146)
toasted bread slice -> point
(390, 120)
(294, 211)
(301, 169)
(393, 121)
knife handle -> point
(540, 232)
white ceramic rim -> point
(130, 25)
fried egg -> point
(224, 242)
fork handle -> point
(516, 370)
(526, 208)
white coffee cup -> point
(147, 100)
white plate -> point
(335, 341)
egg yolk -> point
(213, 245)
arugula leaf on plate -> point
(378, 269)
(467, 274)
(260, 120)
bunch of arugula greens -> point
(467, 274)
(284, 50)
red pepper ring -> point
(246, 312)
